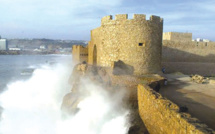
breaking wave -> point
(33, 106)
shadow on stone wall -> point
(174, 60)
(120, 68)
(175, 55)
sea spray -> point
(33, 106)
(100, 112)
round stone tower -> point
(137, 42)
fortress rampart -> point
(177, 36)
(161, 116)
(137, 19)
(79, 53)
(189, 57)
(181, 54)
(189, 51)
(136, 42)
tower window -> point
(142, 44)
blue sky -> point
(73, 19)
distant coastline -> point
(39, 46)
(6, 52)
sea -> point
(19, 67)
(32, 88)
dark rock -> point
(183, 109)
(155, 86)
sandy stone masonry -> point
(161, 116)
(177, 36)
(137, 42)
(79, 53)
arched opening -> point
(94, 55)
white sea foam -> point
(33, 106)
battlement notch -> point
(137, 18)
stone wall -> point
(189, 57)
(137, 42)
(130, 82)
(176, 36)
(79, 53)
(162, 116)
(190, 51)
(201, 68)
(94, 50)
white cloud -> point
(84, 15)
(56, 15)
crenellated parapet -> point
(137, 42)
(108, 20)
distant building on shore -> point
(15, 49)
(43, 47)
(3, 44)
(201, 40)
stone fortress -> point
(132, 41)
(137, 42)
(140, 46)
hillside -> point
(35, 43)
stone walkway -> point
(199, 98)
